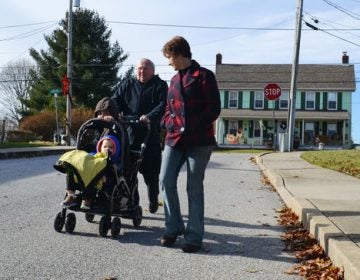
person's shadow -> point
(266, 245)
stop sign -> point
(272, 91)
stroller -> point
(118, 197)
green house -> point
(323, 104)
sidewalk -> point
(33, 151)
(326, 201)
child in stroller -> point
(107, 147)
(117, 196)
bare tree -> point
(15, 83)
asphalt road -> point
(242, 239)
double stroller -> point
(118, 197)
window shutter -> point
(265, 133)
(252, 96)
(316, 128)
(251, 129)
(277, 104)
(317, 100)
(339, 99)
(266, 103)
(303, 100)
(339, 127)
(240, 124)
(226, 127)
(226, 99)
(240, 95)
(325, 99)
(324, 128)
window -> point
(233, 127)
(257, 128)
(233, 99)
(284, 100)
(334, 137)
(332, 101)
(259, 100)
(310, 101)
(309, 133)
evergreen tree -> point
(96, 63)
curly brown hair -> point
(177, 46)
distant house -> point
(323, 103)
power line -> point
(27, 24)
(28, 34)
(214, 27)
(318, 28)
(324, 21)
(344, 10)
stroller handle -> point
(134, 120)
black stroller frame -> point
(118, 200)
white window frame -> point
(259, 98)
(310, 97)
(284, 98)
(332, 98)
(233, 98)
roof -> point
(283, 114)
(322, 77)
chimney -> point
(345, 58)
(218, 58)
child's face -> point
(107, 147)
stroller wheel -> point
(70, 222)
(89, 217)
(59, 222)
(104, 225)
(137, 218)
(115, 227)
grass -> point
(6, 145)
(241, 151)
(346, 161)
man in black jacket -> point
(145, 97)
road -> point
(242, 239)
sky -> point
(243, 31)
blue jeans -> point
(196, 160)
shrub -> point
(79, 116)
(20, 136)
(43, 124)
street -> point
(242, 237)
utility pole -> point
(294, 72)
(69, 71)
(69, 75)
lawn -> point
(346, 161)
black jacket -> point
(135, 98)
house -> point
(323, 104)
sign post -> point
(273, 92)
(55, 92)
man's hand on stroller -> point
(106, 118)
(144, 118)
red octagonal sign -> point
(272, 91)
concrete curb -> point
(336, 244)
(33, 152)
